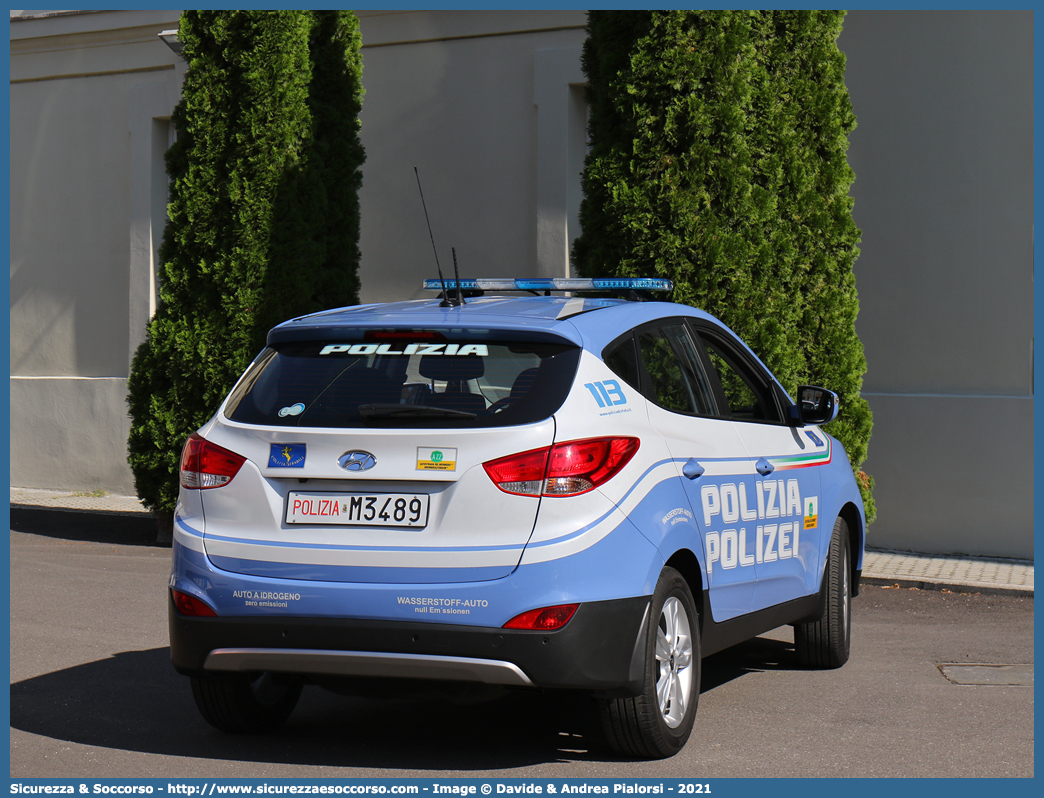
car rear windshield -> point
(413, 379)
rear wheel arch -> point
(685, 562)
(824, 640)
(856, 538)
(656, 722)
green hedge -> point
(717, 159)
(263, 215)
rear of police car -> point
(409, 492)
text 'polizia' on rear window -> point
(437, 383)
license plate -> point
(358, 509)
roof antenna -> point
(445, 303)
(456, 274)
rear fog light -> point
(191, 606)
(546, 619)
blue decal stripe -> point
(584, 530)
(187, 537)
(385, 593)
(319, 572)
(616, 506)
(576, 542)
(708, 460)
(181, 522)
(338, 547)
(646, 473)
(505, 560)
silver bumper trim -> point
(365, 663)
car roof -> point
(588, 322)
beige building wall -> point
(91, 96)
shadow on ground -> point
(129, 529)
(135, 701)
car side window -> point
(746, 398)
(622, 360)
(677, 379)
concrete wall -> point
(487, 105)
(91, 95)
(943, 157)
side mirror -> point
(815, 405)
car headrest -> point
(523, 382)
(451, 367)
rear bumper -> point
(599, 650)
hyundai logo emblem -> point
(356, 461)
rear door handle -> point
(693, 469)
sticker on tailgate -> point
(286, 455)
(429, 459)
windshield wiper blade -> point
(411, 411)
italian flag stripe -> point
(803, 460)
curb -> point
(986, 588)
(88, 526)
(1001, 576)
(52, 508)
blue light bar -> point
(555, 284)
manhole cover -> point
(1017, 675)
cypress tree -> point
(717, 159)
(263, 215)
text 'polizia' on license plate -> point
(358, 509)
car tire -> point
(657, 723)
(245, 702)
(825, 642)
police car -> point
(544, 491)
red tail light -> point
(519, 473)
(546, 619)
(565, 469)
(580, 466)
(207, 465)
(191, 606)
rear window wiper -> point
(411, 411)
